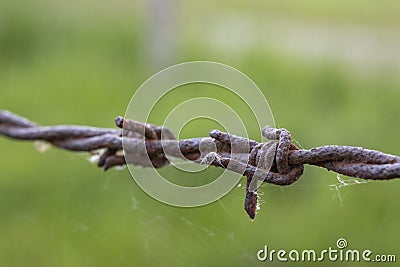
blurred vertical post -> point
(161, 33)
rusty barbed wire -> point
(278, 162)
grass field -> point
(329, 70)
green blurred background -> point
(329, 69)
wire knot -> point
(271, 162)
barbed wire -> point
(277, 162)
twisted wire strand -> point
(149, 145)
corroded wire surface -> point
(148, 145)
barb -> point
(148, 145)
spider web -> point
(342, 184)
(212, 231)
